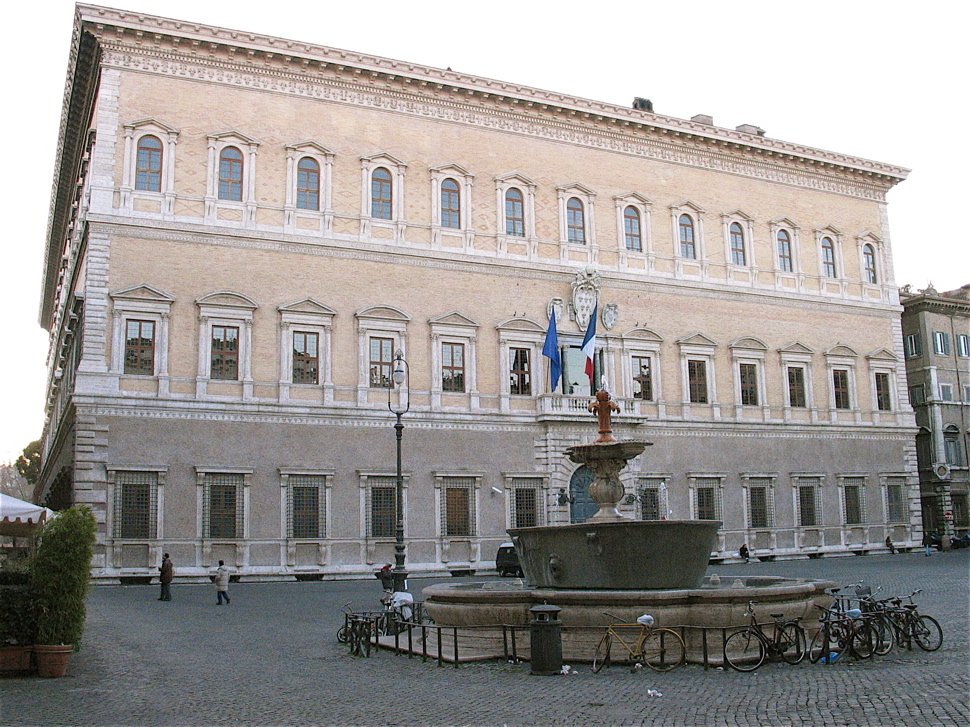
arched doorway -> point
(581, 507)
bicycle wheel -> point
(791, 643)
(862, 640)
(744, 650)
(927, 633)
(663, 650)
(883, 636)
(826, 644)
(343, 634)
(601, 657)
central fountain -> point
(614, 564)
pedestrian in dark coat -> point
(167, 573)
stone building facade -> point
(936, 341)
(245, 231)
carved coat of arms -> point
(609, 316)
(586, 293)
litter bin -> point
(545, 631)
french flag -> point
(589, 348)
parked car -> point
(507, 560)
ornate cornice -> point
(205, 53)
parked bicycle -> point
(842, 631)
(658, 648)
(747, 649)
(904, 624)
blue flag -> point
(551, 350)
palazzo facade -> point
(245, 231)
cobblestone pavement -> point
(270, 658)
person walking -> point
(222, 583)
(167, 572)
(927, 542)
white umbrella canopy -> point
(21, 519)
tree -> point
(28, 463)
(13, 483)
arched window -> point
(784, 251)
(687, 247)
(380, 194)
(828, 257)
(869, 264)
(737, 244)
(231, 174)
(308, 184)
(148, 165)
(514, 213)
(450, 204)
(631, 229)
(575, 221)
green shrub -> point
(17, 616)
(60, 575)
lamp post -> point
(399, 379)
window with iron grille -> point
(382, 507)
(796, 387)
(520, 377)
(526, 502)
(642, 378)
(223, 505)
(760, 503)
(306, 357)
(458, 506)
(884, 401)
(840, 385)
(140, 347)
(381, 361)
(748, 375)
(707, 500)
(653, 501)
(307, 506)
(136, 504)
(225, 353)
(809, 514)
(895, 503)
(853, 500)
(961, 515)
(453, 367)
(697, 381)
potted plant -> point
(58, 584)
(17, 622)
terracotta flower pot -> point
(52, 659)
(15, 658)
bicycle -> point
(747, 649)
(909, 625)
(841, 631)
(660, 649)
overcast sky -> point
(881, 80)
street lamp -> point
(399, 379)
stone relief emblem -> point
(610, 315)
(586, 293)
(556, 304)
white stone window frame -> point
(161, 473)
(380, 321)
(852, 479)
(367, 481)
(441, 482)
(750, 350)
(841, 356)
(644, 481)
(249, 147)
(963, 348)
(225, 308)
(645, 343)
(286, 500)
(746, 222)
(913, 345)
(757, 479)
(511, 480)
(527, 187)
(644, 207)
(466, 183)
(202, 492)
(141, 302)
(879, 255)
(524, 333)
(825, 281)
(798, 355)
(454, 327)
(587, 197)
(398, 171)
(694, 483)
(895, 479)
(696, 214)
(797, 274)
(698, 347)
(324, 158)
(168, 136)
(815, 480)
(884, 361)
(309, 316)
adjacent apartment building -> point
(936, 339)
(245, 232)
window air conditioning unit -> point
(942, 470)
